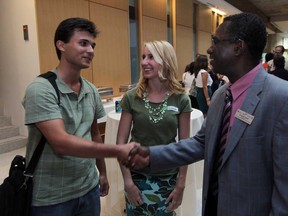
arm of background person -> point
(204, 77)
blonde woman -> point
(158, 109)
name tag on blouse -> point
(172, 108)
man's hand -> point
(124, 152)
(104, 185)
(139, 157)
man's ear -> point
(239, 47)
(60, 45)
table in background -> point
(115, 199)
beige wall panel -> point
(204, 19)
(49, 14)
(120, 4)
(204, 42)
(154, 8)
(216, 21)
(184, 46)
(153, 29)
(184, 12)
(111, 66)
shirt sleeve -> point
(99, 108)
(185, 105)
(125, 103)
(40, 102)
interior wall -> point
(204, 29)
(153, 29)
(111, 65)
(184, 34)
(49, 15)
(18, 58)
(154, 20)
(275, 39)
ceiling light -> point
(218, 11)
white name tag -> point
(173, 108)
(244, 116)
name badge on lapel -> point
(244, 116)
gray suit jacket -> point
(253, 179)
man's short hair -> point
(269, 56)
(251, 29)
(279, 62)
(67, 27)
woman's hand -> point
(133, 195)
(208, 101)
(175, 198)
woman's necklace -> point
(155, 114)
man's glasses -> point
(216, 40)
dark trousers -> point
(211, 205)
(194, 102)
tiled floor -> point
(5, 161)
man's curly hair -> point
(251, 29)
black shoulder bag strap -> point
(51, 77)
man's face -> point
(79, 50)
(222, 51)
(278, 51)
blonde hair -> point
(164, 54)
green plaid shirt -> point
(61, 178)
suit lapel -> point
(249, 106)
(216, 116)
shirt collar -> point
(241, 85)
(63, 87)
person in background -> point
(158, 109)
(203, 83)
(66, 181)
(187, 79)
(218, 79)
(278, 51)
(218, 82)
(248, 174)
(280, 71)
(268, 56)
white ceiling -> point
(274, 12)
(221, 5)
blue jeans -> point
(87, 205)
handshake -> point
(138, 157)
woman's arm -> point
(133, 193)
(204, 77)
(176, 195)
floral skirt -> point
(154, 190)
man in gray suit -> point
(253, 175)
